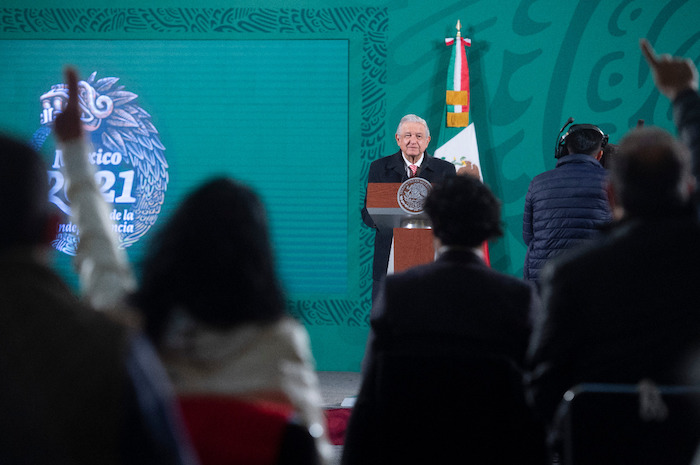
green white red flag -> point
(457, 93)
(457, 140)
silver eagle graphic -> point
(110, 113)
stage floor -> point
(337, 386)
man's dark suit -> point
(619, 311)
(445, 312)
(392, 169)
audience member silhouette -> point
(442, 334)
(624, 308)
(566, 206)
(77, 386)
(677, 79)
(216, 310)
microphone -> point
(568, 122)
(557, 147)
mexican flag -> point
(457, 139)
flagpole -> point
(457, 135)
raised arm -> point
(672, 75)
(105, 275)
(677, 79)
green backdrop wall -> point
(298, 97)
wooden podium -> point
(413, 237)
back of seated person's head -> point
(24, 189)
(463, 211)
(651, 174)
(609, 152)
(212, 258)
(585, 141)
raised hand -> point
(67, 125)
(672, 75)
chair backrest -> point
(226, 430)
(438, 399)
(628, 423)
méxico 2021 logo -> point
(131, 169)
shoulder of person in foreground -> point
(154, 433)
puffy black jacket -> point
(563, 207)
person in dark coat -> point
(443, 314)
(412, 136)
(677, 79)
(624, 308)
(566, 206)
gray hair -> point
(412, 119)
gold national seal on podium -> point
(412, 194)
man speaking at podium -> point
(412, 136)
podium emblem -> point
(412, 194)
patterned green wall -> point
(533, 63)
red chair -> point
(225, 430)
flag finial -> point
(459, 27)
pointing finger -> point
(649, 53)
(72, 78)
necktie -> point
(413, 168)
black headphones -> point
(560, 147)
